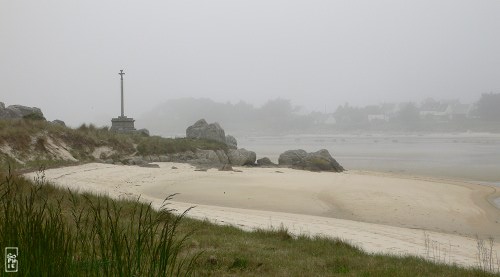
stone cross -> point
(121, 76)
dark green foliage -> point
(239, 263)
(34, 116)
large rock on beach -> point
(207, 157)
(202, 130)
(241, 157)
(316, 161)
(265, 162)
(213, 131)
(292, 157)
(222, 156)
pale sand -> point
(381, 213)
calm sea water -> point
(474, 157)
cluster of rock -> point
(316, 161)
(298, 159)
(224, 159)
(207, 158)
(213, 131)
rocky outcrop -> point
(265, 162)
(241, 157)
(59, 122)
(213, 131)
(201, 129)
(231, 142)
(316, 161)
(292, 157)
(18, 111)
(222, 156)
(207, 157)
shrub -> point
(34, 116)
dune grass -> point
(61, 233)
(27, 136)
(162, 146)
(64, 233)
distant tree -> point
(430, 104)
(277, 107)
(488, 107)
(350, 115)
(408, 115)
(279, 115)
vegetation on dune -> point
(19, 135)
(161, 146)
(29, 140)
(64, 233)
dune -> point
(437, 219)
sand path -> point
(381, 213)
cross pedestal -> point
(122, 123)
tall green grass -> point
(67, 234)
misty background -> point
(64, 57)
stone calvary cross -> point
(121, 76)
(122, 123)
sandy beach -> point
(381, 213)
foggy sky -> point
(64, 56)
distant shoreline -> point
(467, 156)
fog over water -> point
(464, 156)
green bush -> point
(34, 116)
(161, 146)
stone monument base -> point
(122, 124)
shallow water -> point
(474, 157)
